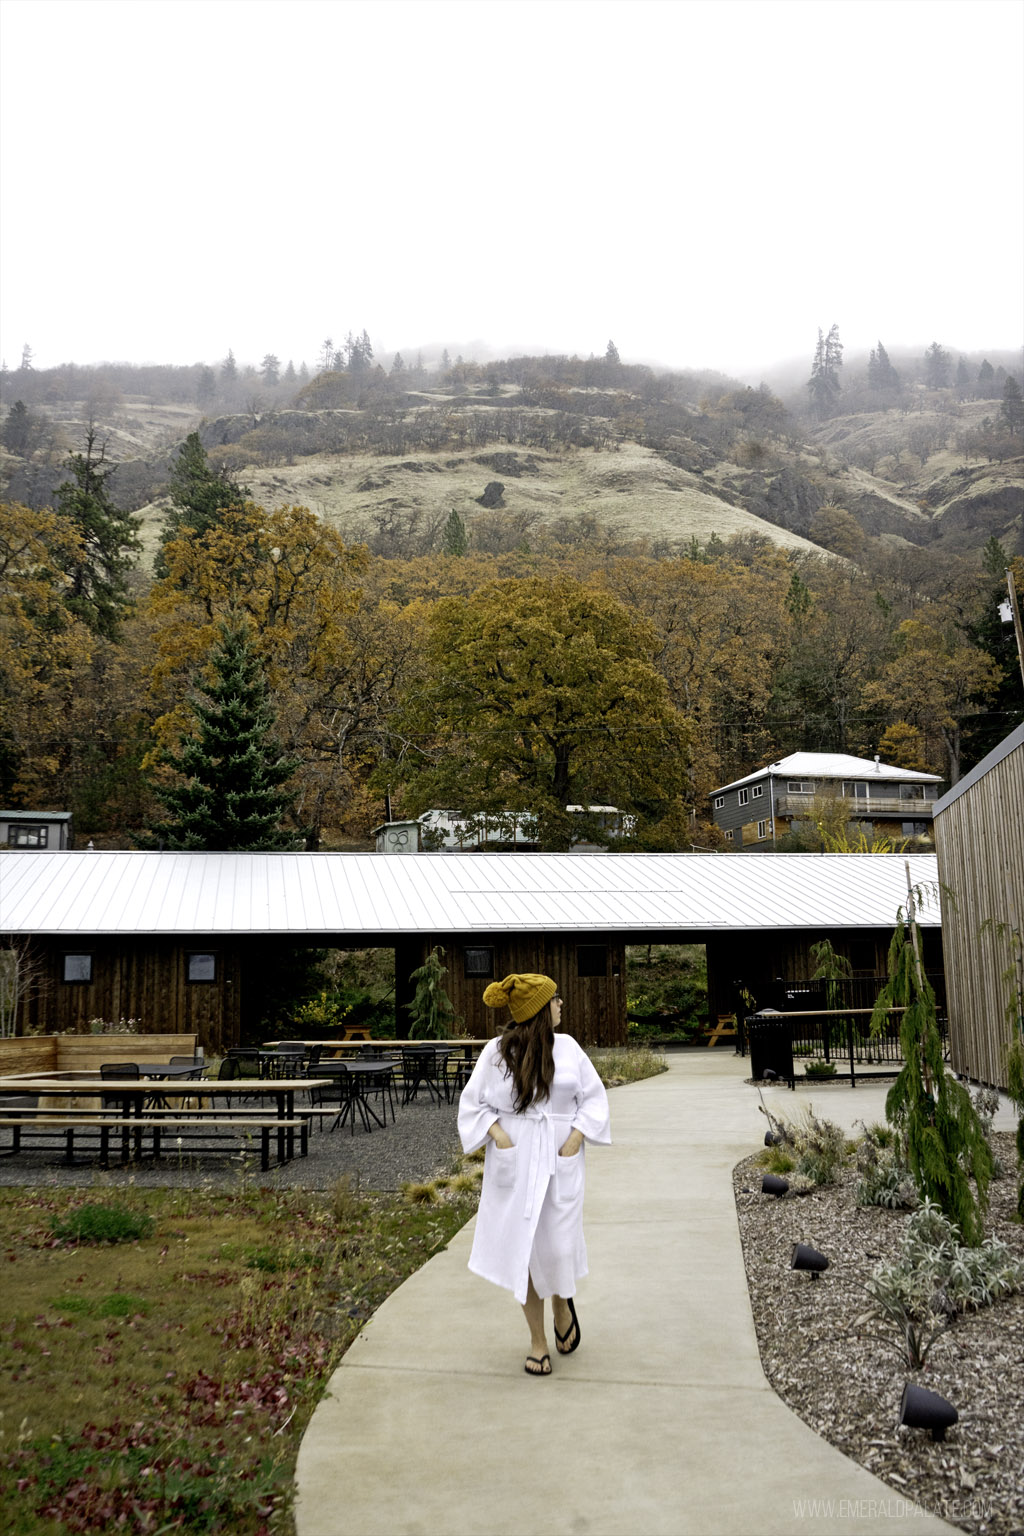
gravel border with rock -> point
(845, 1377)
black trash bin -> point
(771, 1046)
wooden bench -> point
(67, 1122)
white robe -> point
(530, 1220)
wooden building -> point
(979, 844)
(187, 941)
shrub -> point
(819, 1068)
(884, 1178)
(819, 1147)
(934, 1277)
(101, 1224)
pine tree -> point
(1012, 408)
(823, 383)
(98, 591)
(232, 800)
(936, 366)
(453, 539)
(198, 496)
(432, 1014)
(945, 1142)
(611, 353)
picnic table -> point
(129, 1117)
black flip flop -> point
(541, 1361)
(560, 1338)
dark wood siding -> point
(145, 980)
(595, 1004)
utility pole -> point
(1014, 615)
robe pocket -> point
(568, 1178)
(503, 1161)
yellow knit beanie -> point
(523, 995)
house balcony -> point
(867, 808)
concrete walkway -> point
(661, 1424)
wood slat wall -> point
(144, 980)
(979, 841)
(594, 1011)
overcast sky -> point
(703, 183)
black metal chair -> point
(120, 1071)
(420, 1069)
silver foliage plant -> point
(935, 1277)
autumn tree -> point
(535, 695)
(336, 647)
(45, 648)
(228, 794)
(937, 682)
(98, 590)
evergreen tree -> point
(229, 370)
(882, 376)
(945, 1143)
(270, 369)
(433, 1017)
(986, 379)
(963, 378)
(231, 800)
(936, 366)
(611, 353)
(1012, 408)
(453, 539)
(198, 495)
(98, 591)
(823, 383)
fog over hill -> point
(929, 454)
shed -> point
(183, 940)
(979, 845)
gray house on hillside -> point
(757, 810)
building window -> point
(743, 796)
(855, 789)
(27, 834)
(915, 828)
(757, 791)
(78, 967)
(764, 829)
(728, 835)
(591, 959)
(201, 967)
(800, 787)
(719, 802)
(478, 962)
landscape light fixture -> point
(806, 1257)
(771, 1184)
(773, 1138)
(921, 1409)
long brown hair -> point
(528, 1053)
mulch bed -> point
(845, 1377)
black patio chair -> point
(121, 1071)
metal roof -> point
(362, 895)
(832, 765)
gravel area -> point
(421, 1142)
(845, 1378)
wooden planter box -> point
(26, 1054)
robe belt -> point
(543, 1152)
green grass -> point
(164, 1383)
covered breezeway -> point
(184, 941)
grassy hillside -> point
(649, 458)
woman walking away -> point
(533, 1099)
